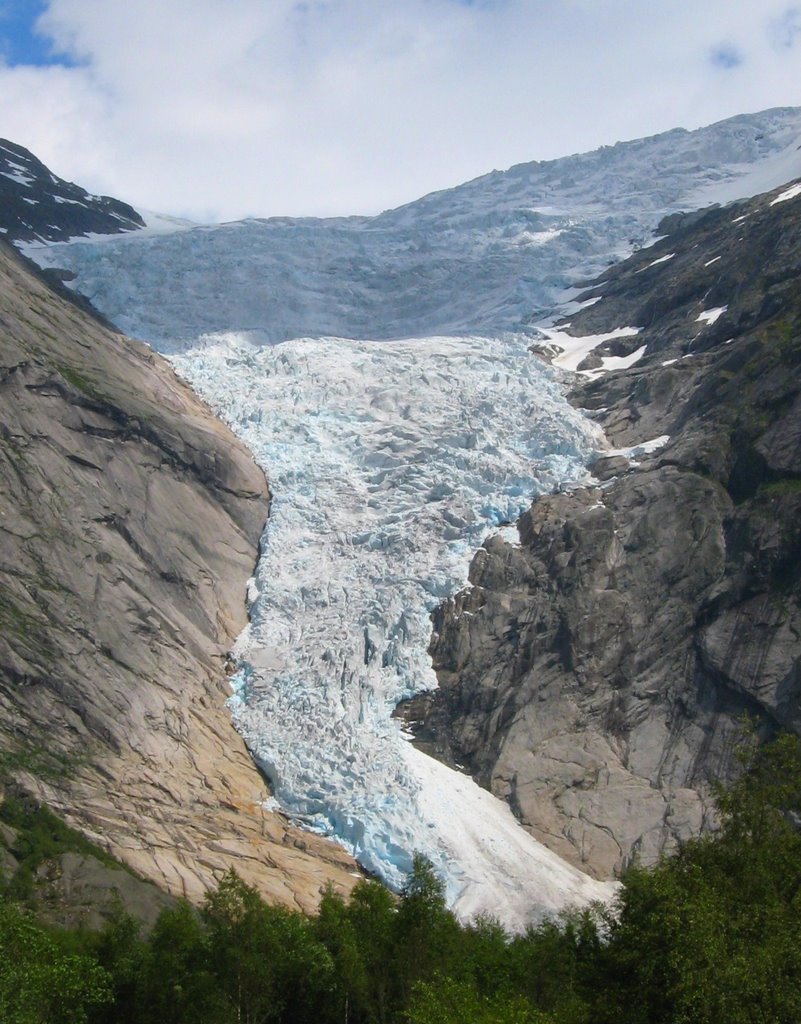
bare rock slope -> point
(596, 673)
(129, 520)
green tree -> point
(551, 962)
(267, 958)
(427, 933)
(178, 984)
(121, 952)
(714, 933)
(38, 983)
(371, 912)
(349, 999)
(446, 1001)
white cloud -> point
(346, 106)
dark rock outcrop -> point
(596, 674)
(129, 521)
(39, 206)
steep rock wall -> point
(595, 675)
(129, 520)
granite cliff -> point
(595, 674)
(129, 521)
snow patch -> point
(575, 350)
(615, 363)
(21, 177)
(637, 451)
(790, 193)
(654, 263)
(711, 316)
(509, 535)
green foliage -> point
(445, 1001)
(268, 959)
(36, 758)
(80, 382)
(714, 934)
(179, 982)
(120, 950)
(38, 983)
(41, 836)
(351, 991)
(708, 936)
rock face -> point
(129, 520)
(595, 674)
(39, 206)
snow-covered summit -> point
(38, 206)
(491, 255)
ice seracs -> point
(390, 462)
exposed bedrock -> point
(596, 674)
(129, 522)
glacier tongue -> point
(390, 462)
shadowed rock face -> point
(597, 681)
(129, 519)
(39, 206)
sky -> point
(219, 109)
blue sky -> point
(20, 43)
(225, 108)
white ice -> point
(390, 462)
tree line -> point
(710, 935)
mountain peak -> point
(41, 207)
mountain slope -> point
(491, 255)
(40, 207)
(598, 680)
(129, 525)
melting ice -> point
(390, 462)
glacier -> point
(389, 462)
(379, 369)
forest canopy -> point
(710, 934)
